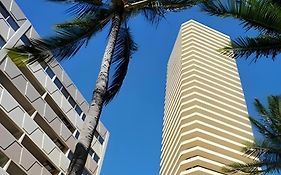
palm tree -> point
(264, 16)
(267, 153)
(90, 17)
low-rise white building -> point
(41, 110)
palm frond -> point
(263, 129)
(274, 107)
(81, 8)
(154, 10)
(267, 159)
(124, 48)
(253, 168)
(265, 150)
(153, 15)
(270, 127)
(249, 168)
(75, 1)
(264, 45)
(177, 5)
(257, 14)
(276, 2)
(262, 111)
(266, 153)
(69, 38)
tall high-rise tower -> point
(205, 119)
(41, 110)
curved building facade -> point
(205, 121)
(41, 110)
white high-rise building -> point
(206, 122)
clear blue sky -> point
(134, 118)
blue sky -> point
(134, 118)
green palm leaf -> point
(267, 153)
(124, 48)
(155, 10)
(256, 14)
(261, 15)
(69, 38)
(81, 8)
(264, 45)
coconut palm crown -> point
(264, 16)
(89, 18)
(267, 153)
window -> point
(2, 42)
(91, 152)
(70, 155)
(25, 40)
(96, 158)
(78, 109)
(99, 137)
(77, 134)
(4, 11)
(96, 134)
(64, 92)
(83, 117)
(13, 23)
(50, 72)
(8, 17)
(58, 83)
(71, 101)
(94, 155)
(101, 140)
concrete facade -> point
(206, 122)
(41, 110)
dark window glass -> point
(91, 152)
(77, 134)
(58, 83)
(71, 101)
(4, 11)
(96, 134)
(96, 158)
(70, 155)
(44, 65)
(99, 137)
(50, 72)
(78, 109)
(2, 42)
(25, 40)
(13, 23)
(64, 92)
(101, 140)
(83, 117)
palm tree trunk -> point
(77, 164)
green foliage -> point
(89, 18)
(125, 47)
(266, 153)
(264, 16)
